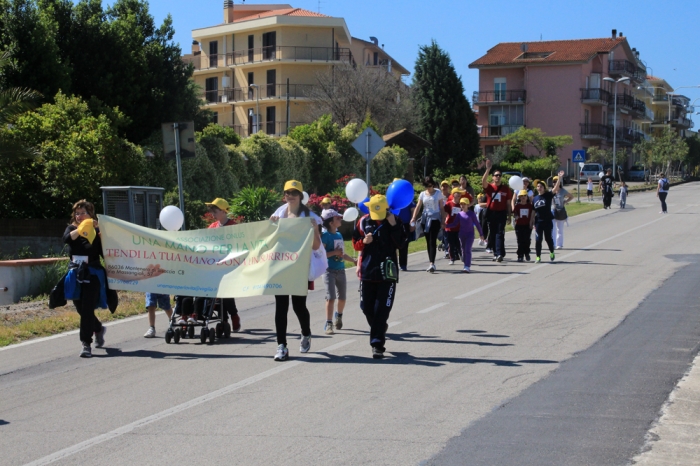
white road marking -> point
(66, 452)
(431, 308)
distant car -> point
(591, 170)
(637, 173)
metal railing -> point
(484, 97)
(622, 67)
(271, 128)
(218, 96)
(596, 131)
(683, 122)
(497, 131)
(267, 91)
(624, 101)
(597, 94)
(289, 52)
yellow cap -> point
(220, 203)
(326, 200)
(398, 179)
(444, 182)
(86, 229)
(378, 207)
(293, 184)
(465, 200)
(522, 193)
(555, 178)
(458, 190)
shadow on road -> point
(403, 358)
(418, 338)
(3, 422)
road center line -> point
(533, 269)
(118, 432)
(431, 308)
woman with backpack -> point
(662, 192)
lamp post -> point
(257, 106)
(611, 80)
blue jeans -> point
(497, 232)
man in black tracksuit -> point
(377, 236)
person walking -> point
(86, 281)
(154, 301)
(498, 197)
(334, 278)
(376, 237)
(589, 189)
(662, 191)
(623, 194)
(219, 208)
(294, 208)
(452, 208)
(542, 221)
(430, 207)
(523, 213)
(466, 221)
(607, 187)
(561, 198)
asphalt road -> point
(563, 363)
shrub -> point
(255, 203)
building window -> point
(586, 117)
(505, 119)
(215, 118)
(499, 87)
(251, 80)
(213, 54)
(251, 44)
(271, 83)
(211, 90)
(270, 118)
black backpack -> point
(665, 185)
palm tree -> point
(14, 101)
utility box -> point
(136, 204)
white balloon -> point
(350, 215)
(305, 199)
(171, 218)
(601, 174)
(356, 190)
(516, 183)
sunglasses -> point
(497, 175)
(292, 193)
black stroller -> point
(192, 312)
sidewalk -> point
(675, 439)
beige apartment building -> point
(257, 69)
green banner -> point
(250, 259)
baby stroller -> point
(207, 311)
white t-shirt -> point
(431, 204)
(282, 213)
(589, 186)
(661, 184)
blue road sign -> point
(578, 156)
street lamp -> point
(611, 80)
(257, 106)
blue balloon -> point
(399, 194)
(395, 211)
(362, 207)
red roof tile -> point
(581, 50)
(283, 12)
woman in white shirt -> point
(431, 203)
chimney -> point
(614, 33)
(195, 48)
(228, 11)
(374, 40)
(620, 34)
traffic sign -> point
(368, 144)
(578, 156)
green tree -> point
(447, 120)
(693, 157)
(663, 151)
(538, 140)
(320, 138)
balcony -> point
(639, 108)
(596, 131)
(595, 96)
(682, 123)
(267, 92)
(624, 101)
(271, 128)
(622, 68)
(496, 132)
(482, 98)
(218, 96)
(289, 53)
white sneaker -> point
(192, 319)
(282, 353)
(305, 345)
(181, 321)
(489, 250)
(150, 333)
(465, 269)
(452, 262)
(558, 247)
(434, 268)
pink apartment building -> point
(559, 86)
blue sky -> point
(664, 32)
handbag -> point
(318, 264)
(560, 214)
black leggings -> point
(543, 228)
(431, 236)
(281, 310)
(662, 198)
(89, 297)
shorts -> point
(158, 300)
(335, 278)
(589, 192)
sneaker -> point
(538, 260)
(558, 247)
(499, 259)
(150, 333)
(192, 319)
(87, 351)
(328, 328)
(551, 256)
(434, 268)
(452, 262)
(100, 337)
(488, 250)
(404, 269)
(305, 345)
(180, 321)
(447, 255)
(377, 353)
(429, 269)
(235, 323)
(282, 353)
(482, 243)
(520, 259)
(338, 321)
(527, 257)
(495, 258)
(465, 269)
